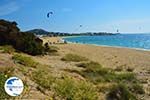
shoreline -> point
(63, 37)
(104, 45)
(58, 39)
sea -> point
(135, 41)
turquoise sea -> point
(137, 41)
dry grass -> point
(7, 70)
(7, 49)
(24, 60)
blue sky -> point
(129, 16)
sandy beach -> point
(111, 57)
(108, 56)
(52, 40)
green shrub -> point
(3, 94)
(97, 77)
(130, 77)
(104, 75)
(66, 88)
(74, 58)
(86, 92)
(28, 43)
(70, 89)
(91, 66)
(104, 87)
(96, 73)
(120, 92)
(137, 88)
(43, 78)
(7, 49)
(24, 60)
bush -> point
(28, 43)
(120, 92)
(70, 89)
(104, 75)
(91, 66)
(43, 78)
(66, 88)
(96, 73)
(74, 58)
(97, 77)
(130, 77)
(137, 88)
(86, 92)
(3, 94)
(22, 41)
(24, 60)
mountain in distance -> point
(46, 33)
(39, 31)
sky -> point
(128, 16)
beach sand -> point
(52, 40)
(111, 57)
(108, 57)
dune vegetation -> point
(60, 85)
(73, 58)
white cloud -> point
(8, 8)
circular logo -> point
(14, 86)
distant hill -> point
(43, 32)
(39, 32)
